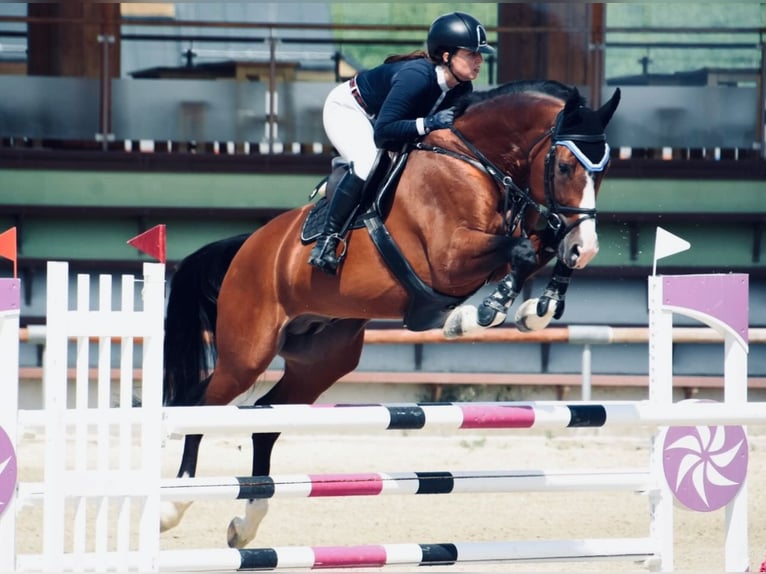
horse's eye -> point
(566, 168)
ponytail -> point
(416, 55)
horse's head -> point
(553, 194)
(572, 172)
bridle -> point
(570, 143)
(516, 201)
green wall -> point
(141, 189)
(87, 233)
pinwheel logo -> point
(705, 466)
(8, 470)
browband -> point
(584, 159)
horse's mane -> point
(567, 94)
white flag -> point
(666, 244)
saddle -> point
(427, 308)
(377, 193)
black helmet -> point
(457, 30)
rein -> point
(515, 199)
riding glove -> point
(440, 120)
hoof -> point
(455, 325)
(242, 529)
(233, 536)
(171, 514)
(464, 320)
(528, 320)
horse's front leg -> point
(494, 308)
(536, 314)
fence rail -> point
(121, 113)
(586, 335)
(576, 334)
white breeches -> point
(350, 129)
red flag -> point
(152, 242)
(8, 247)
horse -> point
(511, 186)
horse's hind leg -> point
(171, 512)
(313, 362)
(226, 387)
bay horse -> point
(494, 199)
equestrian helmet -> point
(457, 30)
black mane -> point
(567, 94)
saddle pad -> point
(312, 226)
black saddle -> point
(376, 195)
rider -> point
(397, 102)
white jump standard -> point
(78, 473)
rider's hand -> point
(440, 120)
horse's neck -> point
(508, 135)
(443, 192)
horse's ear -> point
(606, 111)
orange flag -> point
(8, 247)
(152, 242)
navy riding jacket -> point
(398, 93)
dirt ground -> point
(447, 518)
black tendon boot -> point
(345, 198)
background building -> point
(207, 117)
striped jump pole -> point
(379, 555)
(544, 415)
(372, 484)
(440, 554)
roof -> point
(699, 77)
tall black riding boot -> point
(345, 198)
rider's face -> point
(466, 64)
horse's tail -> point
(190, 352)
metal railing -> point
(273, 115)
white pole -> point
(736, 516)
(153, 295)
(660, 394)
(9, 383)
(586, 372)
(127, 294)
(54, 405)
